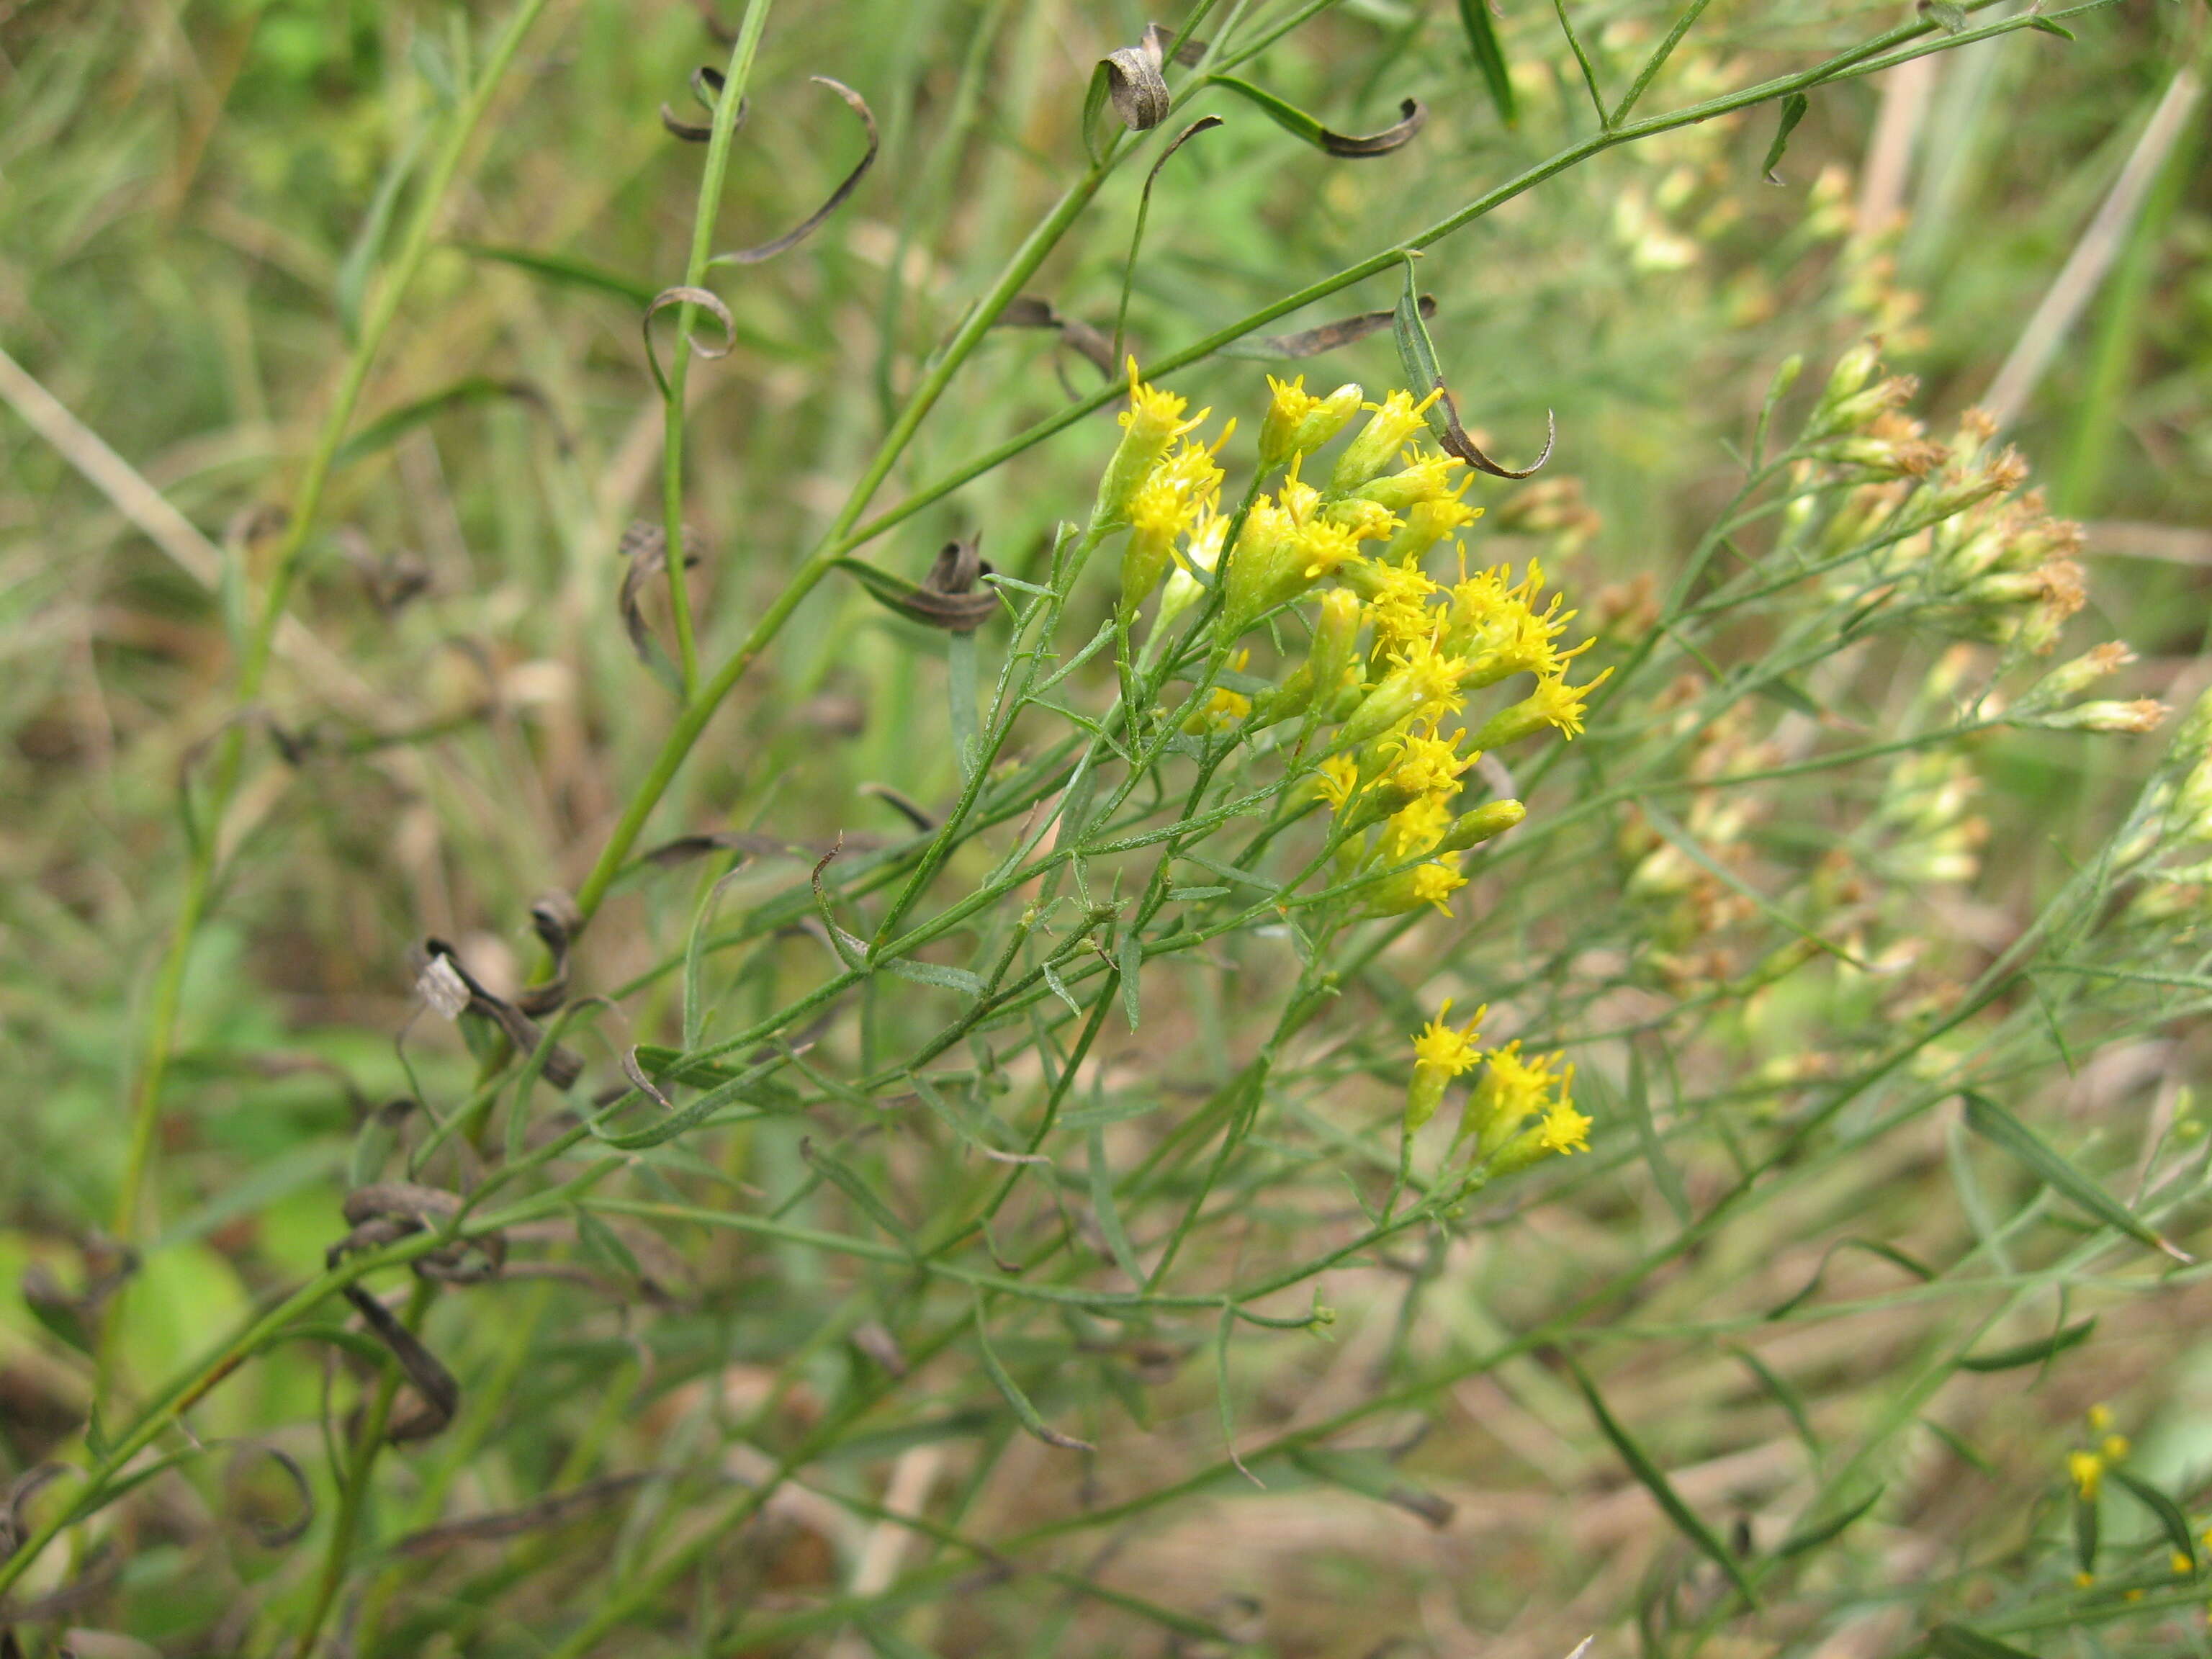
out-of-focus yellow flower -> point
(2087, 1471)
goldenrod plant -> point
(914, 827)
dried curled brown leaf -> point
(556, 922)
(814, 221)
(441, 966)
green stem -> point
(354, 1497)
(164, 1007)
(726, 104)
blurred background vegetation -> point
(194, 200)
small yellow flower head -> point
(1368, 521)
(1395, 419)
(1152, 421)
(2183, 1564)
(1431, 765)
(1564, 1129)
(1165, 506)
(2084, 1580)
(1441, 1053)
(1336, 781)
(1398, 602)
(1423, 684)
(1515, 1088)
(2099, 1418)
(1413, 830)
(1425, 479)
(1554, 703)
(1433, 882)
(1318, 548)
(1428, 523)
(2116, 1449)
(1296, 421)
(2087, 1471)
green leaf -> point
(1785, 1395)
(1890, 1253)
(1482, 43)
(1654, 1480)
(1802, 1538)
(359, 259)
(1003, 1380)
(560, 269)
(388, 428)
(848, 1181)
(1130, 958)
(1965, 1448)
(2032, 1353)
(1793, 112)
(1295, 121)
(739, 1089)
(2085, 1534)
(1109, 1212)
(934, 973)
(1993, 1123)
(1664, 1175)
(2168, 1514)
(1957, 1642)
(2049, 28)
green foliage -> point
(585, 1084)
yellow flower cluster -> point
(1519, 1113)
(1394, 654)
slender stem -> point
(1581, 59)
(368, 1442)
(727, 103)
(162, 1009)
(1657, 60)
(818, 563)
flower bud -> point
(1329, 657)
(1396, 418)
(1472, 828)
(1297, 423)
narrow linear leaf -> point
(388, 428)
(1994, 1124)
(559, 268)
(1130, 956)
(1412, 117)
(1003, 1380)
(1203, 124)
(1654, 1480)
(1793, 111)
(934, 973)
(1664, 1175)
(1489, 57)
(2086, 1520)
(1108, 1212)
(2031, 1354)
(1957, 1642)
(2167, 1512)
(1890, 1253)
(1417, 352)
(1802, 1538)
(847, 1180)
(360, 260)
(2047, 27)
(1787, 1397)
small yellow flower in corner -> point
(2087, 1471)
(2116, 1448)
(1564, 1129)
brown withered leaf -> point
(709, 301)
(905, 806)
(562, 1067)
(684, 849)
(1455, 441)
(275, 1536)
(556, 922)
(645, 547)
(549, 1510)
(814, 221)
(1325, 336)
(1029, 310)
(948, 597)
(438, 1395)
(707, 85)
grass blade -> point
(1489, 57)
(1654, 1480)
(1993, 1123)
